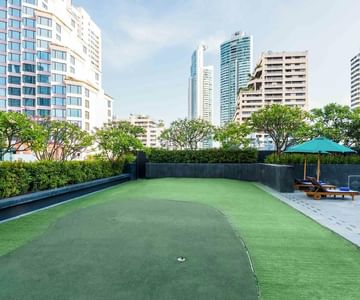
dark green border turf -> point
(129, 250)
(293, 257)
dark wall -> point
(279, 177)
(334, 174)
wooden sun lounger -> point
(308, 186)
(320, 191)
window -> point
(72, 70)
(14, 57)
(29, 45)
(2, 80)
(28, 68)
(43, 67)
(43, 101)
(2, 48)
(87, 126)
(3, 3)
(44, 90)
(29, 113)
(58, 37)
(74, 101)
(14, 68)
(2, 92)
(29, 79)
(28, 11)
(2, 25)
(43, 55)
(14, 79)
(15, 2)
(29, 22)
(44, 32)
(59, 89)
(29, 90)
(14, 12)
(87, 115)
(72, 22)
(72, 60)
(58, 101)
(87, 104)
(43, 78)
(74, 89)
(59, 54)
(109, 104)
(2, 103)
(58, 28)
(28, 56)
(75, 113)
(14, 102)
(29, 102)
(43, 44)
(14, 91)
(14, 23)
(2, 58)
(59, 113)
(58, 78)
(59, 66)
(43, 112)
(2, 69)
(29, 33)
(14, 34)
(14, 46)
(87, 93)
(44, 21)
(2, 14)
(84, 49)
(96, 76)
(2, 36)
(33, 2)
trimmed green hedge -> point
(17, 178)
(202, 156)
(290, 159)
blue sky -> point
(147, 45)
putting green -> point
(129, 250)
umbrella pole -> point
(318, 167)
(305, 166)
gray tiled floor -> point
(341, 216)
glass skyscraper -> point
(50, 63)
(235, 69)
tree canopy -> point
(233, 135)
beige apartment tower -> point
(279, 77)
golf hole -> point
(181, 259)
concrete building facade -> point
(50, 63)
(355, 81)
(236, 56)
(153, 130)
(279, 77)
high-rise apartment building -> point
(235, 67)
(279, 77)
(355, 81)
(201, 90)
(50, 62)
(201, 83)
(153, 130)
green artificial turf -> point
(293, 257)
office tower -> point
(50, 63)
(201, 84)
(355, 81)
(153, 130)
(279, 77)
(201, 90)
(235, 68)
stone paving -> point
(339, 215)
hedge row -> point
(17, 178)
(203, 156)
(290, 159)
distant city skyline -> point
(147, 46)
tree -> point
(117, 139)
(16, 132)
(233, 135)
(280, 122)
(354, 129)
(332, 121)
(187, 134)
(59, 140)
